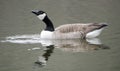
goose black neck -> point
(49, 25)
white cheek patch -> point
(42, 16)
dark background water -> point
(16, 19)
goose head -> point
(43, 16)
(40, 14)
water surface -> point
(21, 48)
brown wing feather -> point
(75, 30)
(71, 28)
(85, 28)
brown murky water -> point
(22, 50)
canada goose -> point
(68, 31)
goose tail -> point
(103, 25)
(97, 31)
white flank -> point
(94, 33)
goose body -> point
(68, 31)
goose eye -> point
(41, 12)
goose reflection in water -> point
(44, 58)
(69, 45)
(73, 45)
(76, 45)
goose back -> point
(77, 30)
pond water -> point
(21, 48)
